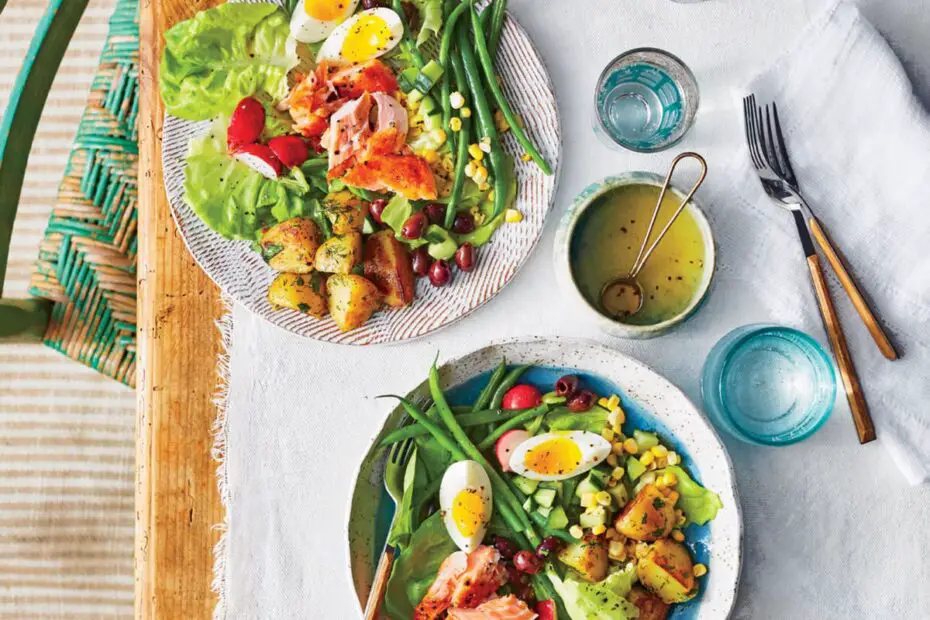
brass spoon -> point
(623, 296)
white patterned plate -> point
(243, 275)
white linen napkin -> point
(859, 143)
(299, 415)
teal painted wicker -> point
(87, 259)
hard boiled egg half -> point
(313, 20)
(366, 35)
(559, 455)
(465, 502)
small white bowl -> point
(566, 232)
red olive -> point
(439, 273)
(436, 213)
(581, 401)
(465, 257)
(377, 208)
(464, 223)
(415, 226)
(548, 547)
(567, 386)
(527, 594)
(526, 562)
(505, 547)
(420, 260)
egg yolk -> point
(368, 37)
(553, 457)
(325, 10)
(468, 512)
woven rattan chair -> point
(84, 285)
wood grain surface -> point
(177, 502)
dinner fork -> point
(394, 472)
(766, 145)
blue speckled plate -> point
(651, 403)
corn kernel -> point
(525, 157)
(673, 458)
(455, 124)
(465, 112)
(598, 529)
(616, 418)
(617, 448)
(631, 446)
(700, 570)
(576, 531)
(647, 458)
(677, 535)
(413, 104)
(470, 169)
(500, 122)
(439, 135)
(616, 550)
(613, 402)
(681, 520)
(475, 152)
(603, 498)
(431, 157)
(481, 174)
(648, 478)
(669, 479)
(456, 100)
(491, 195)
(612, 460)
(602, 402)
(617, 472)
(588, 500)
(485, 144)
(608, 434)
(483, 187)
(513, 216)
(660, 451)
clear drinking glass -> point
(645, 101)
(768, 385)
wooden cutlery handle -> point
(380, 583)
(860, 410)
(849, 285)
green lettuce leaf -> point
(231, 198)
(699, 504)
(416, 567)
(430, 18)
(605, 600)
(224, 54)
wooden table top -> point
(177, 502)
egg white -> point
(308, 29)
(332, 48)
(462, 476)
(593, 449)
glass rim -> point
(684, 126)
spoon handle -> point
(380, 583)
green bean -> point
(461, 157)
(512, 377)
(407, 43)
(467, 420)
(485, 396)
(485, 122)
(511, 423)
(498, 13)
(497, 481)
(445, 47)
(487, 65)
(507, 512)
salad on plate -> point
(541, 502)
(355, 145)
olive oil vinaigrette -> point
(607, 240)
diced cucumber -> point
(441, 244)
(432, 121)
(645, 440)
(634, 469)
(544, 510)
(599, 477)
(407, 78)
(528, 504)
(545, 497)
(427, 105)
(526, 486)
(619, 493)
(588, 485)
(555, 485)
(428, 76)
(557, 520)
(414, 96)
(597, 516)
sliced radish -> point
(291, 150)
(506, 444)
(261, 158)
(246, 124)
(521, 396)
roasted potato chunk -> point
(387, 264)
(650, 606)
(345, 211)
(588, 557)
(339, 254)
(667, 571)
(352, 300)
(302, 292)
(650, 516)
(290, 246)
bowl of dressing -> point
(600, 237)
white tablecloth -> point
(832, 529)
